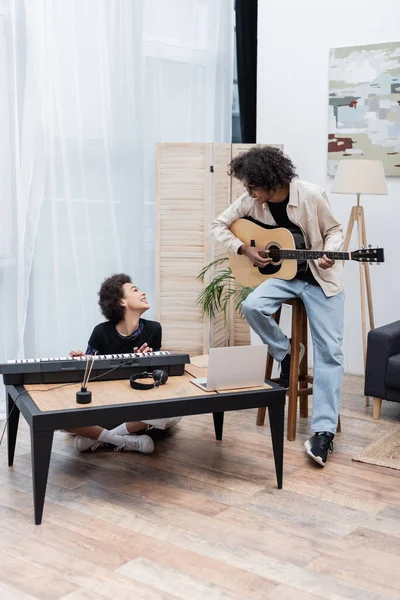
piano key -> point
(51, 370)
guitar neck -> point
(313, 254)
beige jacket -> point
(308, 208)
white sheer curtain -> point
(188, 47)
(86, 88)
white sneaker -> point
(168, 425)
(84, 443)
(172, 422)
(136, 443)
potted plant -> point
(222, 291)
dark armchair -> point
(382, 372)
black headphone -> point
(159, 378)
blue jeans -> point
(326, 320)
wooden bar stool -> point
(300, 382)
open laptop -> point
(234, 367)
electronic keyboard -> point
(67, 369)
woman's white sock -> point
(120, 430)
(110, 438)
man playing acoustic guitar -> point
(275, 199)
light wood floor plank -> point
(210, 569)
(286, 592)
(175, 582)
(10, 593)
(200, 519)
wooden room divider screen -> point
(192, 188)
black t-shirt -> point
(105, 338)
(279, 213)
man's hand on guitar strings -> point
(325, 262)
(258, 256)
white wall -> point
(294, 38)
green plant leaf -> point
(213, 264)
(217, 295)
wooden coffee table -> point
(49, 407)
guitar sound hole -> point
(275, 254)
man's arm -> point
(331, 229)
(220, 231)
(220, 226)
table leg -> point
(276, 420)
(41, 443)
(218, 424)
(12, 428)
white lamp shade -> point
(356, 176)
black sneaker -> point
(319, 446)
(285, 368)
(285, 372)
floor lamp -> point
(358, 176)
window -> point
(236, 130)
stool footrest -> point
(305, 391)
(308, 378)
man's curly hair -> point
(262, 167)
(110, 295)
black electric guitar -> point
(288, 252)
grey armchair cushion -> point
(393, 372)
(383, 344)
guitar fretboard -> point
(313, 254)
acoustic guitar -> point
(287, 250)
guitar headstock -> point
(369, 255)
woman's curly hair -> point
(262, 167)
(110, 295)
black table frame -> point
(43, 424)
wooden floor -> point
(201, 519)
